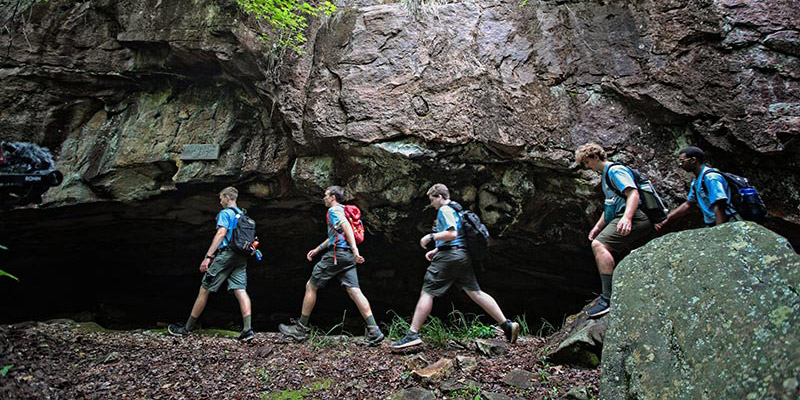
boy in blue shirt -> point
(220, 265)
(338, 261)
(450, 264)
(623, 226)
(708, 190)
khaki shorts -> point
(227, 266)
(641, 231)
(344, 269)
(448, 267)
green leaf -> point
(3, 247)
(4, 273)
(5, 369)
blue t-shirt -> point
(335, 232)
(621, 178)
(447, 219)
(716, 188)
(226, 219)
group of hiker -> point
(622, 226)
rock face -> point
(485, 96)
(707, 313)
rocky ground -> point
(65, 360)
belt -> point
(441, 248)
(222, 249)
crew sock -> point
(246, 321)
(190, 323)
(304, 320)
(371, 321)
(606, 281)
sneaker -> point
(374, 335)
(601, 307)
(177, 330)
(295, 331)
(247, 336)
(511, 330)
(410, 339)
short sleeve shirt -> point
(447, 219)
(225, 219)
(335, 232)
(621, 178)
(716, 188)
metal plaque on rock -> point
(204, 152)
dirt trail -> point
(65, 360)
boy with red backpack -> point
(339, 260)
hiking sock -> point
(371, 321)
(606, 281)
(246, 321)
(190, 323)
(304, 320)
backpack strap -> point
(608, 180)
(728, 205)
(703, 177)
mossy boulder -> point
(705, 313)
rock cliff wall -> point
(487, 97)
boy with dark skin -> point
(711, 194)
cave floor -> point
(62, 359)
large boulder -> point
(705, 313)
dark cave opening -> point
(129, 266)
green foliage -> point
(471, 392)
(5, 369)
(4, 273)
(524, 329)
(437, 333)
(322, 339)
(287, 20)
(303, 393)
(397, 328)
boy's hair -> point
(337, 192)
(230, 192)
(439, 190)
(695, 152)
(590, 150)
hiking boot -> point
(177, 330)
(410, 339)
(247, 336)
(295, 331)
(374, 335)
(601, 307)
(511, 330)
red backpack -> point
(353, 215)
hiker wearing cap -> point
(222, 265)
(339, 259)
(622, 226)
(450, 265)
(708, 190)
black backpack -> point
(744, 197)
(243, 233)
(475, 233)
(652, 204)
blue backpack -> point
(744, 197)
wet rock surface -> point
(485, 96)
(722, 299)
